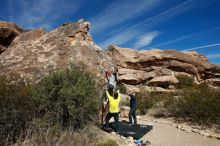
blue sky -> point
(138, 24)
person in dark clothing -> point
(133, 107)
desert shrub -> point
(144, 102)
(192, 102)
(68, 98)
(184, 81)
(15, 108)
(200, 104)
(108, 142)
(122, 88)
(147, 100)
(63, 99)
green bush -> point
(200, 104)
(68, 98)
(15, 108)
(122, 88)
(197, 103)
(147, 100)
(63, 99)
(144, 102)
(184, 81)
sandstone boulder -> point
(35, 53)
(163, 81)
(30, 35)
(8, 31)
(134, 77)
(158, 67)
(214, 81)
(141, 88)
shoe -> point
(137, 141)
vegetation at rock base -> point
(15, 107)
(200, 103)
(88, 136)
(147, 100)
(184, 82)
(192, 102)
(122, 88)
(60, 107)
(109, 142)
(65, 99)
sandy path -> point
(164, 134)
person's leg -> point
(130, 116)
(116, 118)
(134, 116)
(103, 113)
(107, 118)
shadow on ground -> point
(137, 131)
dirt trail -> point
(165, 134)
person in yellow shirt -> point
(113, 109)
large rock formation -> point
(8, 31)
(34, 53)
(158, 68)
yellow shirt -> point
(113, 103)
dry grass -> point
(89, 136)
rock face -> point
(35, 53)
(8, 31)
(158, 68)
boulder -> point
(163, 81)
(140, 88)
(214, 81)
(8, 31)
(27, 36)
(158, 67)
(35, 53)
(131, 76)
(129, 58)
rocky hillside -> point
(35, 53)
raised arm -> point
(108, 95)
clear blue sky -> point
(139, 24)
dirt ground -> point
(163, 134)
